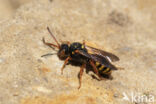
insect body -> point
(103, 66)
(99, 60)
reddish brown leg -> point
(80, 75)
(65, 62)
(95, 70)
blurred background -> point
(9, 7)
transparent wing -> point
(98, 58)
(103, 61)
(111, 57)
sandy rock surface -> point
(126, 28)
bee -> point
(99, 60)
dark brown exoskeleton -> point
(99, 60)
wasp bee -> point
(99, 60)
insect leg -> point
(80, 75)
(95, 69)
(65, 62)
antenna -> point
(48, 54)
(58, 45)
(49, 44)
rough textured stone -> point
(125, 28)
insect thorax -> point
(77, 46)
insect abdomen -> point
(102, 68)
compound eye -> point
(65, 48)
(62, 52)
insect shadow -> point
(78, 64)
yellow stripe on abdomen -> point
(102, 67)
(106, 71)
